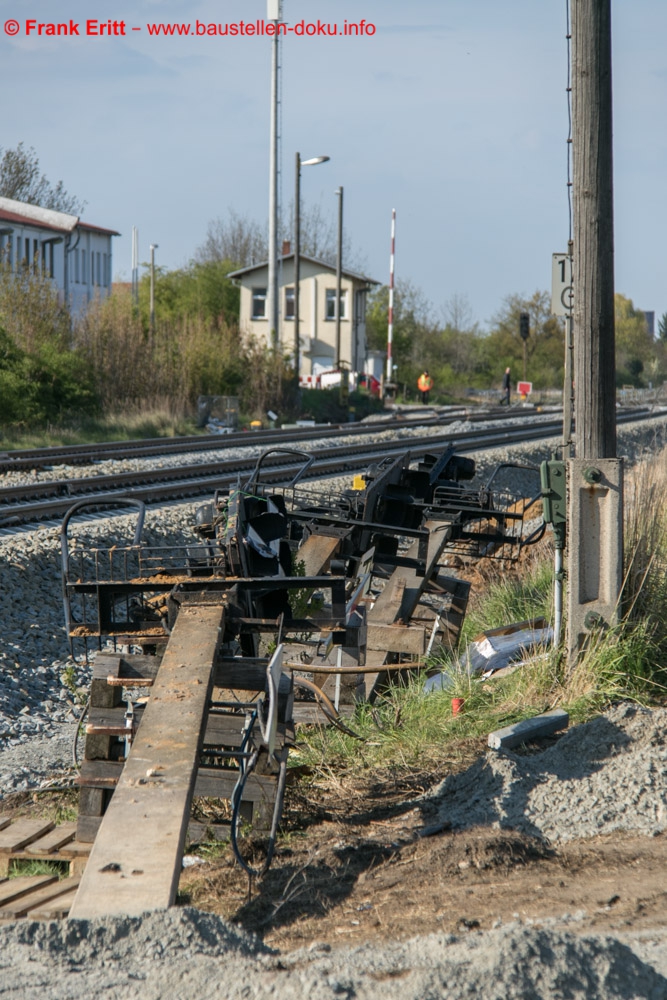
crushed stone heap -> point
(178, 954)
(605, 775)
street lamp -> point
(312, 162)
(339, 272)
(154, 247)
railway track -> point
(86, 454)
(36, 501)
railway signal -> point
(524, 333)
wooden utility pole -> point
(595, 476)
(594, 341)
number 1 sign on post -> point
(561, 284)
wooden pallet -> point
(41, 840)
(37, 897)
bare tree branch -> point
(20, 180)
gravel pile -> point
(608, 774)
(179, 954)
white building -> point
(317, 311)
(74, 254)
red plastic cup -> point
(457, 705)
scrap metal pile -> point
(291, 604)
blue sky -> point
(454, 113)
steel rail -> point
(84, 454)
(28, 492)
(190, 482)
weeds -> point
(157, 421)
(21, 868)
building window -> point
(84, 276)
(289, 303)
(331, 304)
(76, 266)
(259, 303)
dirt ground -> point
(360, 861)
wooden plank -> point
(4, 821)
(237, 672)
(128, 667)
(23, 832)
(55, 909)
(316, 553)
(75, 849)
(87, 828)
(106, 664)
(20, 907)
(400, 597)
(136, 858)
(100, 773)
(397, 638)
(54, 840)
(15, 888)
(309, 713)
(219, 783)
(401, 594)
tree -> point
(635, 347)
(662, 327)
(545, 346)
(20, 179)
(236, 239)
(242, 241)
(199, 290)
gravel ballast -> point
(183, 954)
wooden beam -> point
(316, 553)
(397, 638)
(400, 597)
(135, 861)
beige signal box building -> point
(317, 311)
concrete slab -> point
(529, 729)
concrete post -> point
(595, 562)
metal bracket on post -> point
(554, 499)
(595, 559)
(554, 512)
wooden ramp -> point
(135, 862)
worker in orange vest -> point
(424, 384)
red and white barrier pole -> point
(390, 317)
